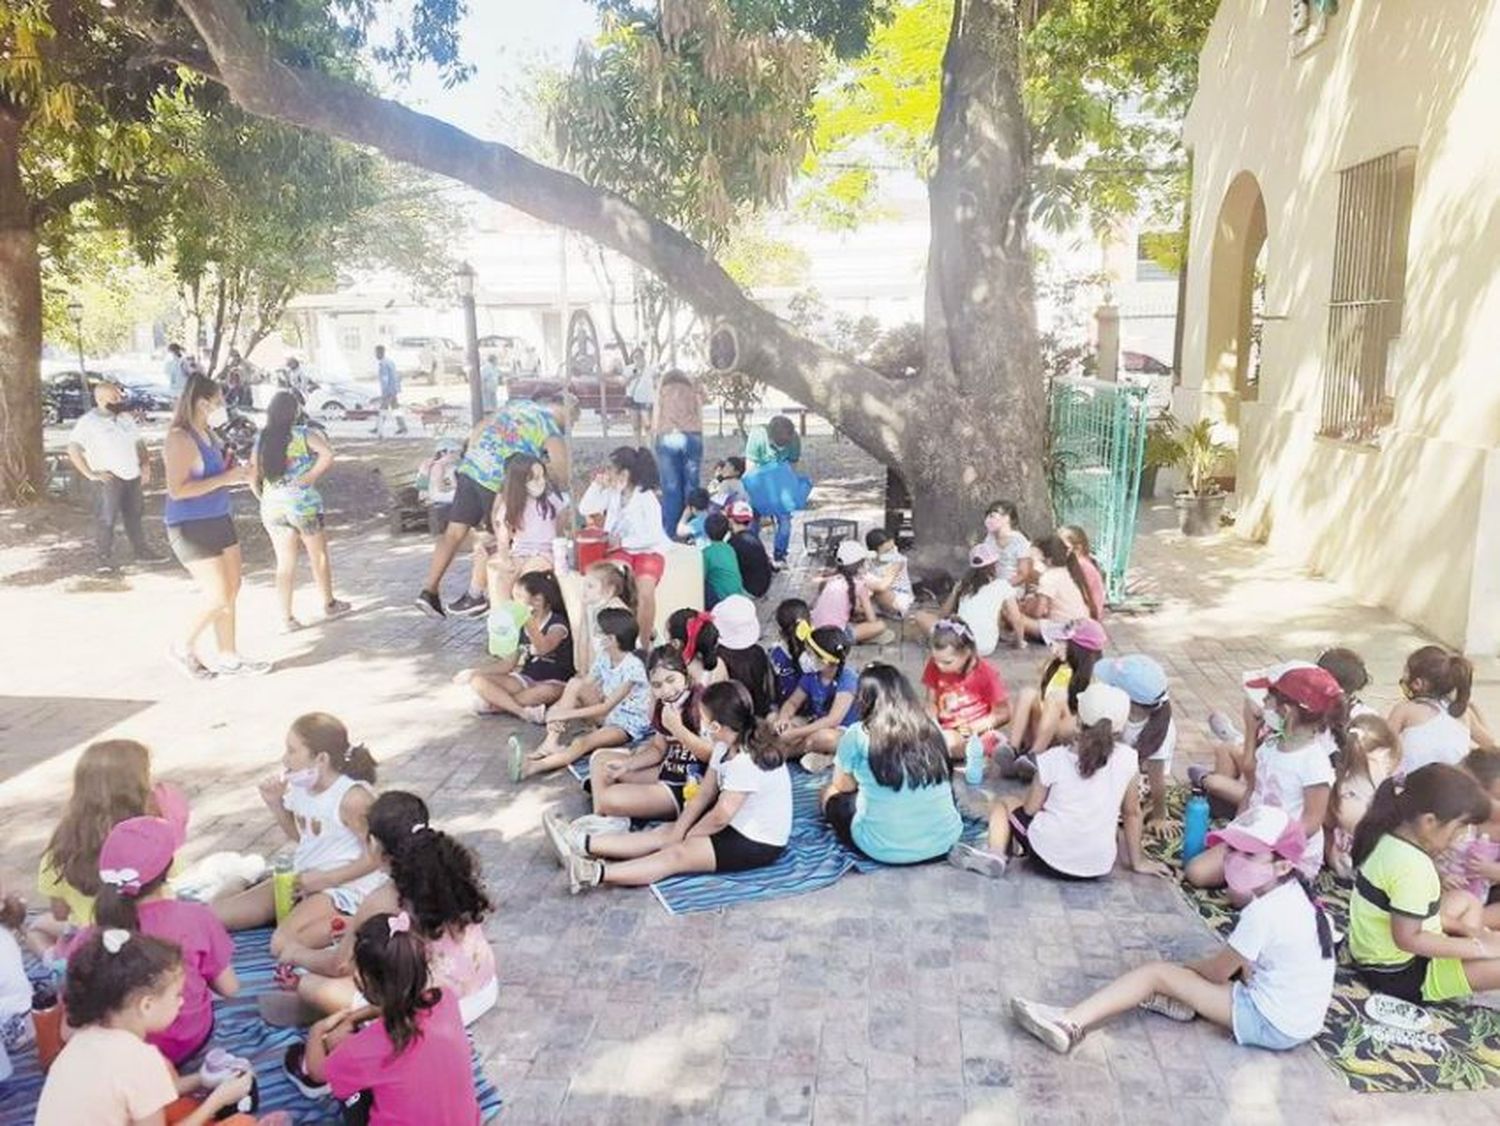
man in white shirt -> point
(176, 369)
(106, 448)
(390, 393)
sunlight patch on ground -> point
(669, 1063)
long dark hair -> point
(1444, 674)
(1093, 745)
(543, 585)
(639, 466)
(730, 704)
(198, 388)
(705, 645)
(752, 668)
(325, 734)
(438, 881)
(788, 614)
(113, 908)
(1082, 662)
(1366, 733)
(1158, 723)
(1444, 791)
(906, 747)
(394, 816)
(281, 416)
(1054, 550)
(1335, 720)
(100, 984)
(393, 975)
(517, 473)
(975, 579)
(111, 783)
(847, 571)
(1081, 551)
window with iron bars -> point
(1368, 296)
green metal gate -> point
(1098, 440)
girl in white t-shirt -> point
(1432, 722)
(1066, 822)
(739, 818)
(976, 600)
(634, 527)
(1305, 718)
(1281, 948)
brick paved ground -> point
(878, 1000)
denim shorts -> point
(1253, 1030)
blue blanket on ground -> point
(238, 1028)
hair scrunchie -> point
(694, 628)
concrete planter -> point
(1199, 516)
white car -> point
(332, 402)
(426, 357)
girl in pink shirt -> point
(133, 897)
(1093, 576)
(410, 1061)
(844, 601)
(527, 515)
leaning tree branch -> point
(861, 402)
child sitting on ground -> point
(1371, 755)
(437, 482)
(133, 896)
(410, 1063)
(693, 634)
(615, 694)
(727, 486)
(786, 658)
(740, 817)
(691, 528)
(1431, 722)
(1066, 822)
(721, 563)
(1044, 716)
(1151, 729)
(606, 586)
(320, 799)
(755, 564)
(738, 626)
(890, 579)
(965, 693)
(1292, 769)
(978, 599)
(1061, 594)
(16, 1026)
(1270, 985)
(1469, 866)
(436, 880)
(523, 685)
(812, 720)
(843, 602)
(1077, 541)
(122, 988)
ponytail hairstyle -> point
(906, 748)
(696, 634)
(827, 642)
(1446, 792)
(618, 580)
(789, 614)
(1435, 673)
(1093, 745)
(281, 416)
(324, 734)
(438, 881)
(1325, 928)
(732, 706)
(391, 961)
(111, 783)
(1055, 552)
(1082, 662)
(1335, 720)
(394, 816)
(638, 465)
(518, 472)
(1158, 723)
(111, 968)
(543, 585)
(752, 669)
(975, 579)
(117, 906)
(847, 572)
(1080, 551)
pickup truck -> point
(427, 358)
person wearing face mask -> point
(321, 798)
(106, 448)
(199, 476)
(1270, 985)
(527, 515)
(1002, 525)
(1305, 721)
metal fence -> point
(1098, 442)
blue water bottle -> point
(974, 761)
(1194, 825)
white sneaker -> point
(558, 836)
(1169, 1007)
(968, 858)
(584, 872)
(593, 825)
(815, 763)
(1046, 1023)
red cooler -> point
(592, 545)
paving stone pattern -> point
(882, 999)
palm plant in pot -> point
(1163, 450)
(1201, 503)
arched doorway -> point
(1236, 300)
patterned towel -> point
(237, 1027)
(1374, 1042)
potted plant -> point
(1200, 505)
(1163, 448)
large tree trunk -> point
(22, 473)
(970, 429)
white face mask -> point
(218, 417)
(1275, 722)
(303, 779)
(809, 663)
(536, 489)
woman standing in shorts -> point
(290, 457)
(200, 473)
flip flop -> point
(516, 761)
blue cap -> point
(1140, 677)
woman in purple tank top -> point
(199, 527)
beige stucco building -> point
(1352, 161)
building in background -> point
(1343, 299)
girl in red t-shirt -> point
(965, 693)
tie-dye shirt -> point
(517, 428)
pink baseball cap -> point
(983, 553)
(1266, 830)
(137, 851)
(739, 512)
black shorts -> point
(1020, 821)
(1402, 982)
(735, 852)
(472, 503)
(196, 540)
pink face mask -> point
(994, 522)
(1245, 874)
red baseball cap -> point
(1312, 689)
(739, 512)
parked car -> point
(515, 353)
(66, 396)
(592, 393)
(426, 357)
(333, 401)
